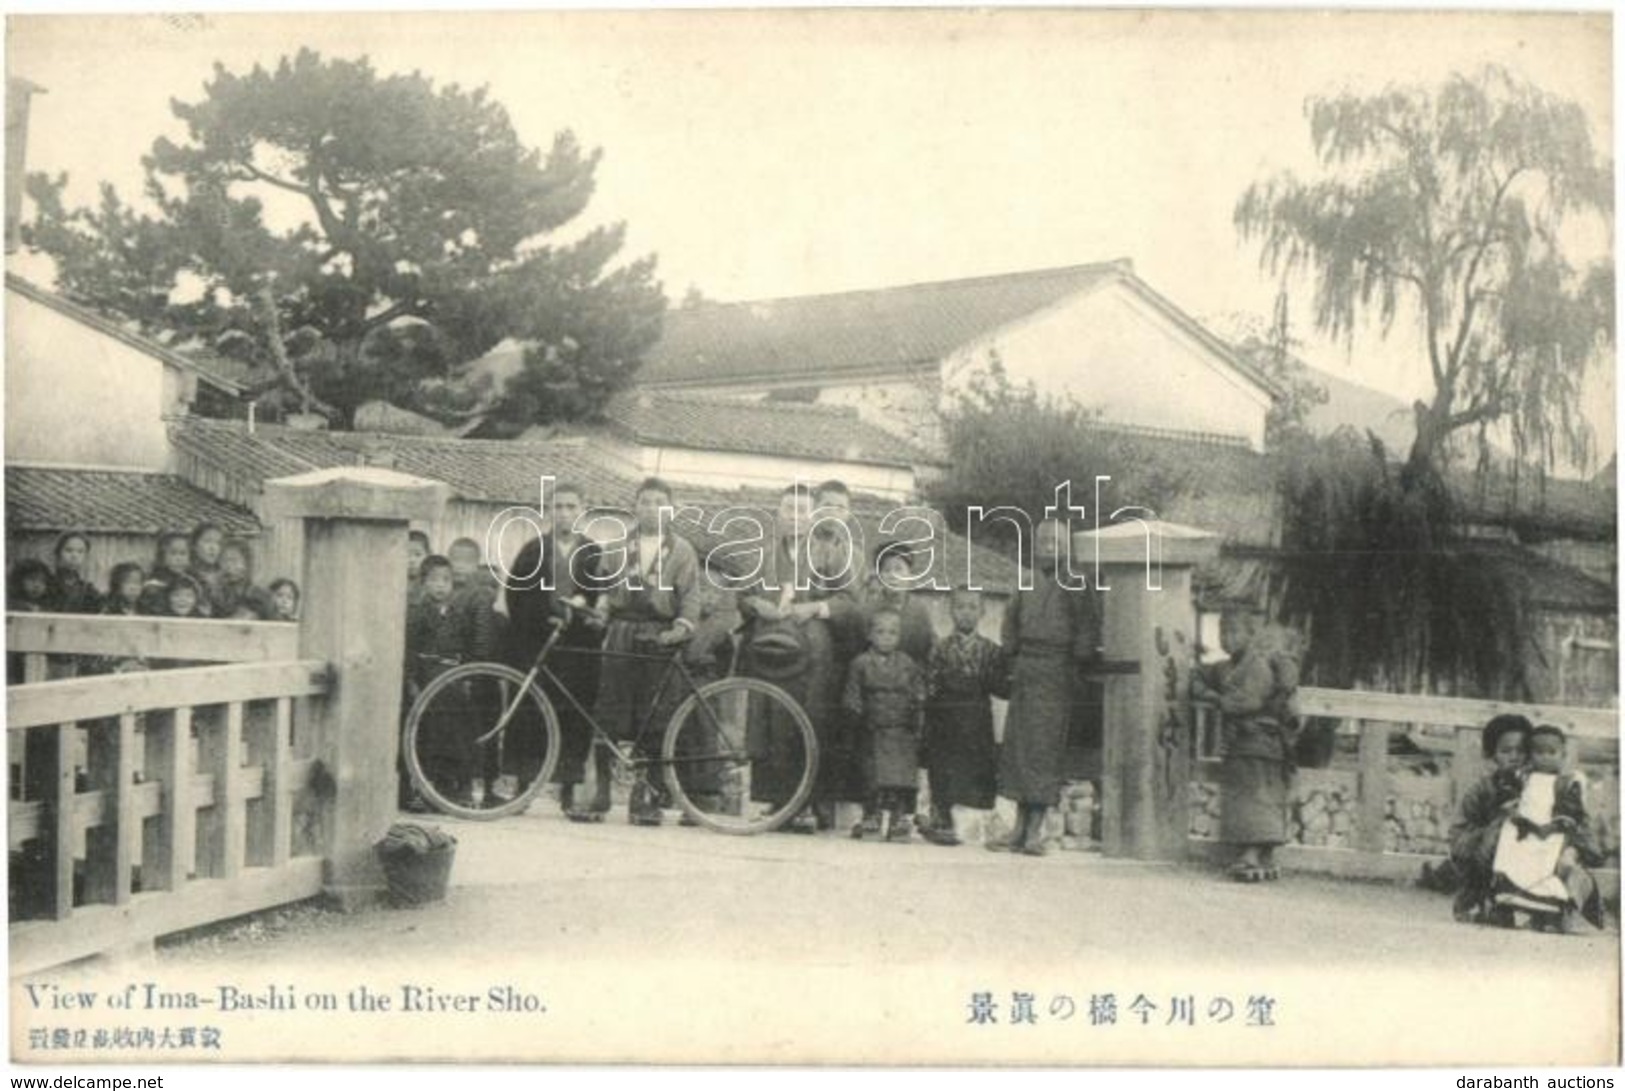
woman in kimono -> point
(1483, 811)
(235, 594)
(74, 593)
(208, 541)
(1050, 632)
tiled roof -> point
(228, 374)
(884, 329)
(851, 331)
(663, 418)
(1550, 584)
(503, 472)
(1558, 507)
(480, 470)
(113, 501)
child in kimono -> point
(885, 692)
(284, 600)
(30, 586)
(235, 595)
(965, 672)
(172, 560)
(123, 599)
(417, 551)
(124, 590)
(74, 593)
(184, 598)
(1546, 843)
(1483, 810)
(473, 581)
(443, 630)
(207, 543)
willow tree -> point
(1449, 211)
(1449, 208)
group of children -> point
(1523, 839)
(201, 574)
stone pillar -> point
(1149, 632)
(353, 615)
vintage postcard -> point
(853, 537)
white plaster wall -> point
(1112, 351)
(75, 396)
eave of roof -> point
(107, 326)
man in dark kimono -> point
(551, 574)
(1050, 632)
(838, 557)
(788, 603)
(649, 584)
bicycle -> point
(475, 724)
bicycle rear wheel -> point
(479, 742)
(740, 756)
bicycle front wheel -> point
(740, 756)
(480, 742)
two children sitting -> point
(1524, 839)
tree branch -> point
(1470, 296)
(385, 317)
(279, 357)
(257, 175)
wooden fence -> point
(1382, 811)
(148, 802)
(249, 765)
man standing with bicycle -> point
(649, 584)
(551, 573)
(788, 641)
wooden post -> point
(353, 615)
(1150, 645)
(1373, 785)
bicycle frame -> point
(628, 757)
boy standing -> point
(966, 671)
(885, 692)
(443, 630)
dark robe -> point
(645, 601)
(439, 636)
(1474, 834)
(965, 672)
(538, 587)
(75, 595)
(1255, 779)
(1049, 633)
(230, 595)
(885, 692)
(777, 755)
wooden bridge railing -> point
(182, 811)
(1375, 788)
(151, 801)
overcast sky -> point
(777, 153)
